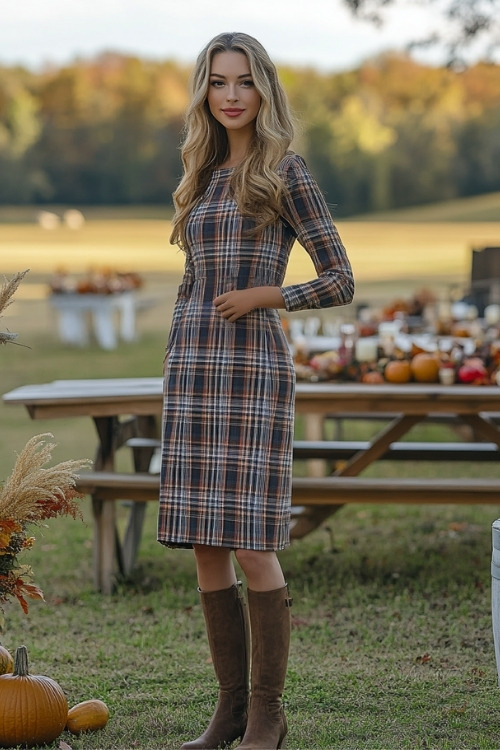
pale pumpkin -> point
(87, 716)
(6, 661)
(33, 708)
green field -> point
(401, 250)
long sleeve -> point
(308, 215)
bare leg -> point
(262, 569)
(215, 568)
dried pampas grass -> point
(9, 288)
(31, 495)
(32, 492)
(7, 292)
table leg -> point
(146, 428)
(73, 327)
(483, 426)
(104, 544)
(127, 317)
(104, 328)
(313, 429)
(307, 519)
(313, 516)
(379, 444)
(104, 510)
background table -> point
(128, 411)
(79, 315)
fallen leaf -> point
(457, 526)
(423, 659)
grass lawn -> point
(392, 643)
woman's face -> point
(232, 97)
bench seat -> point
(333, 450)
(332, 490)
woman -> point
(229, 378)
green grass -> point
(391, 643)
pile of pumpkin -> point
(427, 367)
(417, 365)
(33, 708)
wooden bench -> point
(332, 490)
(318, 493)
(335, 450)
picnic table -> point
(109, 317)
(127, 412)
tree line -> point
(390, 133)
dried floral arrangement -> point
(32, 494)
(7, 291)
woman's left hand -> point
(232, 305)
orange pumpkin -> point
(425, 368)
(33, 708)
(6, 661)
(87, 716)
(397, 371)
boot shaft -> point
(270, 624)
(270, 627)
(228, 631)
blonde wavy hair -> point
(255, 185)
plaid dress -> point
(228, 415)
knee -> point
(253, 561)
(211, 555)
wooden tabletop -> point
(138, 396)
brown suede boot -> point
(270, 627)
(226, 620)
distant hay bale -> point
(73, 218)
(48, 220)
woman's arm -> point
(307, 213)
(232, 305)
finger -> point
(230, 315)
(221, 298)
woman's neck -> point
(238, 145)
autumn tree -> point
(459, 23)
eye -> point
(217, 84)
(247, 83)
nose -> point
(232, 95)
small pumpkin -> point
(425, 368)
(87, 716)
(6, 661)
(33, 708)
(397, 371)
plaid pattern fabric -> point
(228, 415)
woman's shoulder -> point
(293, 169)
(291, 160)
